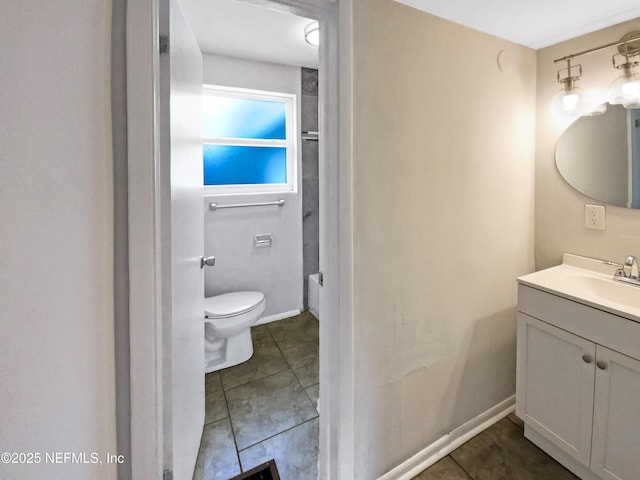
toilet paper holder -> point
(263, 240)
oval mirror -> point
(600, 156)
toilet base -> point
(226, 352)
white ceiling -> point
(229, 27)
(533, 23)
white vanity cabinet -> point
(615, 446)
(578, 384)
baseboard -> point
(449, 442)
(314, 312)
(278, 316)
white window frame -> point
(290, 142)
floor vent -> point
(266, 471)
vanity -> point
(578, 367)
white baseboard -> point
(278, 316)
(314, 312)
(449, 442)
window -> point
(248, 141)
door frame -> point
(145, 219)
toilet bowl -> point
(227, 328)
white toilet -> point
(227, 328)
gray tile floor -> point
(265, 407)
(499, 453)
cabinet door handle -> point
(601, 365)
(587, 358)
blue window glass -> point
(228, 117)
(244, 165)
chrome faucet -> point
(632, 263)
(633, 277)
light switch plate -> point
(594, 217)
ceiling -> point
(533, 23)
(230, 27)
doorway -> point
(262, 232)
(145, 214)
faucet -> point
(621, 275)
(634, 270)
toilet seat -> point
(232, 304)
(230, 313)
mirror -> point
(600, 156)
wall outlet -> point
(594, 217)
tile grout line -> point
(233, 432)
(289, 364)
(279, 433)
(235, 441)
(315, 405)
(290, 346)
(224, 392)
(289, 428)
(256, 379)
(461, 467)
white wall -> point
(229, 234)
(56, 261)
(443, 185)
(559, 208)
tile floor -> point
(499, 453)
(266, 407)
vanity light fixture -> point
(571, 100)
(312, 34)
(624, 90)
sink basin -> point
(610, 290)
(588, 281)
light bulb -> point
(625, 89)
(570, 102)
(631, 90)
(573, 102)
(631, 94)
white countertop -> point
(590, 282)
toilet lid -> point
(231, 304)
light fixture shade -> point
(625, 90)
(312, 34)
(573, 102)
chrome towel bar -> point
(215, 206)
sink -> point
(588, 281)
(610, 290)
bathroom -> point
(511, 149)
(263, 230)
(448, 192)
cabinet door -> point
(616, 417)
(555, 385)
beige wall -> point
(56, 237)
(560, 208)
(443, 188)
